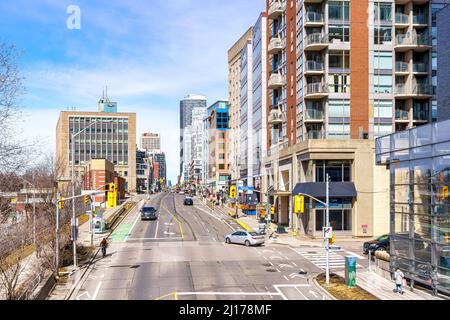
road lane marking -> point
(301, 293)
(238, 293)
(175, 218)
(356, 255)
(285, 266)
(83, 294)
(157, 226)
(136, 220)
(313, 294)
(286, 277)
(97, 290)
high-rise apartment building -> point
(98, 135)
(151, 142)
(188, 104)
(234, 98)
(218, 139)
(441, 58)
(197, 148)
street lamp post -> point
(73, 135)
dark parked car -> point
(382, 243)
(149, 213)
(188, 201)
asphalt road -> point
(182, 255)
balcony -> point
(405, 42)
(420, 19)
(419, 90)
(275, 10)
(314, 67)
(317, 90)
(401, 115)
(275, 81)
(316, 42)
(401, 67)
(275, 45)
(315, 135)
(420, 67)
(275, 117)
(313, 18)
(401, 19)
(314, 115)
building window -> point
(339, 11)
(383, 35)
(338, 171)
(383, 109)
(383, 60)
(383, 13)
(339, 83)
(383, 84)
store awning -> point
(318, 189)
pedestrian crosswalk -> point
(318, 257)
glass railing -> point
(316, 38)
(421, 115)
(314, 66)
(275, 43)
(275, 6)
(316, 134)
(314, 17)
(275, 79)
(314, 114)
(420, 67)
(401, 18)
(401, 88)
(406, 39)
(401, 115)
(420, 19)
(401, 66)
(423, 40)
(422, 88)
(318, 87)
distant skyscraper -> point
(188, 104)
(151, 142)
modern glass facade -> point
(419, 162)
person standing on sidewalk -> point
(399, 277)
(434, 281)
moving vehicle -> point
(188, 201)
(149, 213)
(248, 238)
(382, 243)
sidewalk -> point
(383, 288)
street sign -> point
(328, 233)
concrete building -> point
(259, 110)
(112, 137)
(97, 174)
(197, 151)
(151, 142)
(218, 128)
(343, 71)
(234, 98)
(160, 159)
(419, 163)
(143, 170)
(188, 104)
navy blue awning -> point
(318, 189)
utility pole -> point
(57, 234)
(328, 225)
(73, 205)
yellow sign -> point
(299, 204)
(112, 196)
(445, 192)
(272, 211)
(233, 192)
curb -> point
(323, 290)
(243, 225)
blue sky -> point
(150, 54)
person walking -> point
(399, 277)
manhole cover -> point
(271, 270)
(267, 265)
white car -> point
(248, 238)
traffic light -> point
(233, 192)
(111, 195)
(272, 210)
(299, 204)
(61, 203)
(86, 200)
(332, 240)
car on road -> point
(382, 243)
(248, 238)
(188, 201)
(149, 213)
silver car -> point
(248, 238)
